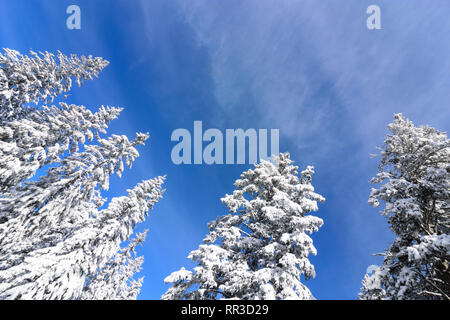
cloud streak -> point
(278, 55)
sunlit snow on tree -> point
(56, 239)
(414, 178)
(260, 250)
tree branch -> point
(433, 285)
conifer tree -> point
(260, 249)
(56, 241)
(414, 184)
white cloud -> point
(278, 55)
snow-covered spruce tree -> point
(31, 136)
(115, 280)
(414, 174)
(43, 77)
(259, 250)
(56, 242)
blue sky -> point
(310, 68)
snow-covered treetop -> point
(40, 78)
(415, 172)
(34, 136)
(414, 178)
(56, 241)
(259, 250)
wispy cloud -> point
(278, 55)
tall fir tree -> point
(414, 178)
(260, 249)
(56, 241)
